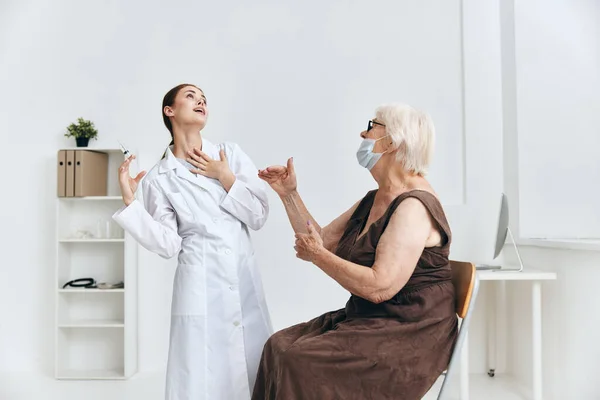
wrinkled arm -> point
(153, 224)
(398, 252)
(298, 213)
(247, 197)
(299, 216)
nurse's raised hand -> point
(127, 183)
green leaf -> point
(82, 129)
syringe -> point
(126, 152)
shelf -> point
(109, 323)
(92, 198)
(88, 219)
(100, 149)
(90, 311)
(114, 160)
(92, 353)
(91, 374)
(90, 260)
(92, 240)
(84, 290)
(95, 330)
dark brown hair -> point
(168, 101)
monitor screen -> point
(502, 226)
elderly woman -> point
(390, 251)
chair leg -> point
(464, 369)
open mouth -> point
(199, 111)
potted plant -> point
(83, 131)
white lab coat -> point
(219, 317)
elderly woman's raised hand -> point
(281, 179)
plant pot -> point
(82, 141)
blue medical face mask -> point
(365, 155)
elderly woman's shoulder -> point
(422, 198)
(423, 194)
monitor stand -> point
(487, 267)
(520, 269)
(498, 268)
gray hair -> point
(412, 133)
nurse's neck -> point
(185, 141)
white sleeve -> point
(247, 199)
(154, 224)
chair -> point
(466, 285)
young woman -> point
(198, 202)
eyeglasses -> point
(371, 123)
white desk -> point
(536, 278)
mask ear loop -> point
(383, 137)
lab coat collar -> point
(170, 163)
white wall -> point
(282, 79)
(550, 59)
(557, 51)
(570, 323)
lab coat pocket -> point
(189, 290)
(181, 206)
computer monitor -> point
(502, 226)
(501, 234)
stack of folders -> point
(82, 173)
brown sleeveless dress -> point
(393, 350)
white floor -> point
(37, 387)
(151, 387)
(483, 387)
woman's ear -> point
(168, 111)
(399, 149)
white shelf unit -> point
(96, 335)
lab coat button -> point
(227, 251)
(236, 323)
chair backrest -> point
(463, 279)
(466, 286)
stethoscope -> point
(87, 283)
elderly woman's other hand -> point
(309, 245)
(281, 179)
